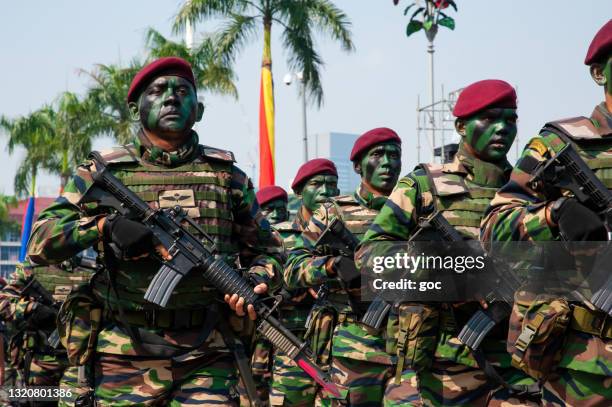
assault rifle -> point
(379, 308)
(337, 238)
(190, 254)
(567, 170)
(41, 295)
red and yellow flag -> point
(266, 118)
(266, 129)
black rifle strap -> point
(529, 391)
(236, 346)
(27, 365)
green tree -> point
(70, 128)
(213, 73)
(29, 132)
(6, 224)
(298, 20)
(107, 97)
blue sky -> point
(537, 46)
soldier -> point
(359, 362)
(29, 303)
(522, 210)
(273, 204)
(315, 182)
(461, 190)
(135, 352)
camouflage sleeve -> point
(304, 267)
(64, 229)
(397, 219)
(517, 213)
(261, 246)
(13, 306)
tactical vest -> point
(461, 202)
(60, 282)
(357, 218)
(589, 142)
(202, 188)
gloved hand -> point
(344, 267)
(130, 239)
(42, 316)
(576, 222)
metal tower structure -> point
(436, 119)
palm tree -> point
(29, 132)
(213, 73)
(298, 19)
(72, 129)
(6, 224)
(108, 95)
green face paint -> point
(608, 74)
(275, 211)
(490, 133)
(168, 107)
(319, 189)
(380, 166)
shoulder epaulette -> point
(286, 226)
(344, 200)
(444, 183)
(120, 154)
(217, 154)
(576, 128)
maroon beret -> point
(371, 138)
(312, 168)
(163, 66)
(487, 94)
(271, 193)
(601, 45)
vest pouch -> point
(416, 337)
(79, 322)
(319, 332)
(536, 332)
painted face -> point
(275, 211)
(491, 132)
(168, 106)
(380, 167)
(319, 189)
(608, 74)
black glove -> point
(42, 316)
(129, 238)
(577, 222)
(345, 269)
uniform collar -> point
(480, 172)
(299, 223)
(602, 119)
(366, 198)
(156, 155)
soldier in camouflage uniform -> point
(359, 363)
(33, 321)
(521, 211)
(461, 190)
(315, 182)
(273, 206)
(135, 352)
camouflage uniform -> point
(449, 374)
(583, 375)
(290, 385)
(30, 354)
(359, 363)
(220, 198)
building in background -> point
(11, 240)
(337, 147)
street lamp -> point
(288, 79)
